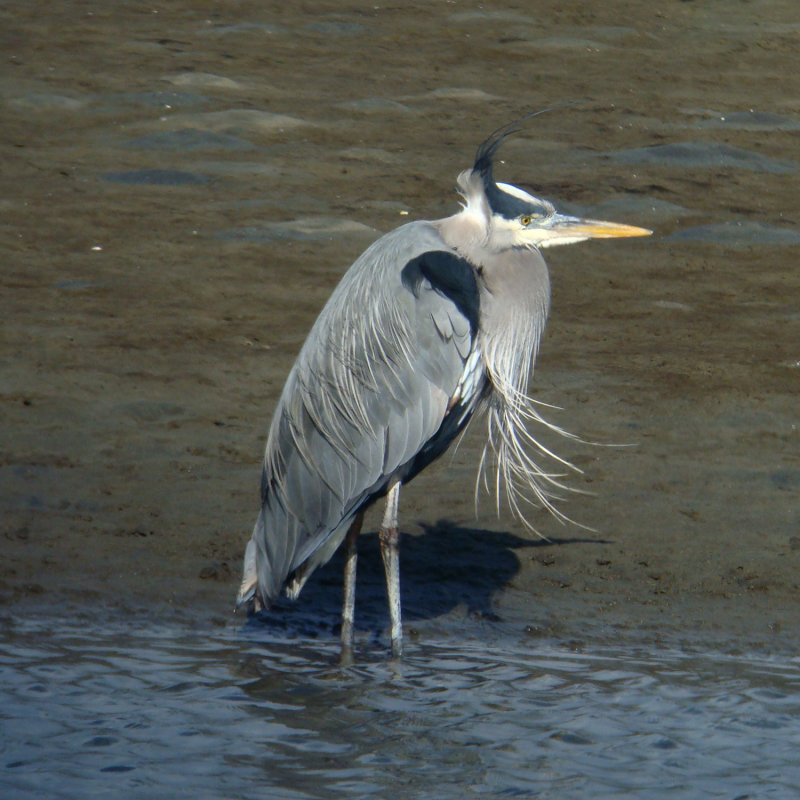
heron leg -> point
(350, 559)
(390, 552)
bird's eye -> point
(525, 220)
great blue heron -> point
(435, 321)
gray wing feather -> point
(369, 388)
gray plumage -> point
(370, 386)
(434, 321)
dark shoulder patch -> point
(449, 274)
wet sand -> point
(182, 188)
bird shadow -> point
(445, 567)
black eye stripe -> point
(511, 207)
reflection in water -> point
(241, 712)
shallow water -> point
(237, 712)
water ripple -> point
(242, 713)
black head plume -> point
(484, 158)
(500, 202)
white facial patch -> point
(520, 194)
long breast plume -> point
(512, 326)
(514, 310)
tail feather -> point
(267, 561)
(247, 591)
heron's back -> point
(363, 404)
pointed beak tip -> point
(600, 229)
(613, 230)
(632, 230)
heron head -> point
(516, 218)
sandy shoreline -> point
(150, 320)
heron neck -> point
(514, 303)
